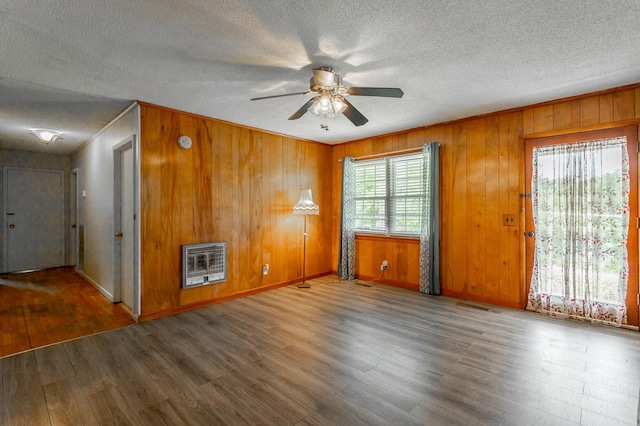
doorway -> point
(124, 223)
(73, 217)
(34, 219)
(573, 300)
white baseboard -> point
(98, 287)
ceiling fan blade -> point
(299, 113)
(387, 92)
(279, 96)
(354, 115)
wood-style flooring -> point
(337, 353)
(51, 306)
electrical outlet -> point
(384, 265)
(509, 219)
(265, 269)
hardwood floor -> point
(45, 307)
(337, 353)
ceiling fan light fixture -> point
(46, 136)
(322, 106)
(338, 104)
(315, 106)
(325, 103)
(329, 99)
(328, 105)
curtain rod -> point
(386, 154)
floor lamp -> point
(305, 206)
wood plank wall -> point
(236, 185)
(482, 161)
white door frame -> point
(130, 142)
(74, 195)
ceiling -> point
(74, 65)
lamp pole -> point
(303, 284)
(305, 206)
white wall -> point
(94, 163)
(38, 160)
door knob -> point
(530, 234)
(12, 226)
(118, 234)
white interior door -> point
(126, 226)
(34, 219)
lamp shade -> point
(305, 204)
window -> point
(389, 195)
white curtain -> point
(430, 227)
(347, 253)
(580, 199)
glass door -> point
(581, 225)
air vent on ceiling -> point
(204, 264)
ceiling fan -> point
(330, 96)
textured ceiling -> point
(452, 59)
(25, 106)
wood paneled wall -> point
(236, 185)
(479, 183)
(589, 112)
(481, 179)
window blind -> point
(406, 194)
(371, 195)
(389, 194)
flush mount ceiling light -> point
(46, 136)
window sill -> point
(388, 238)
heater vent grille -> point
(204, 264)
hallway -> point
(51, 306)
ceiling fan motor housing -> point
(325, 79)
